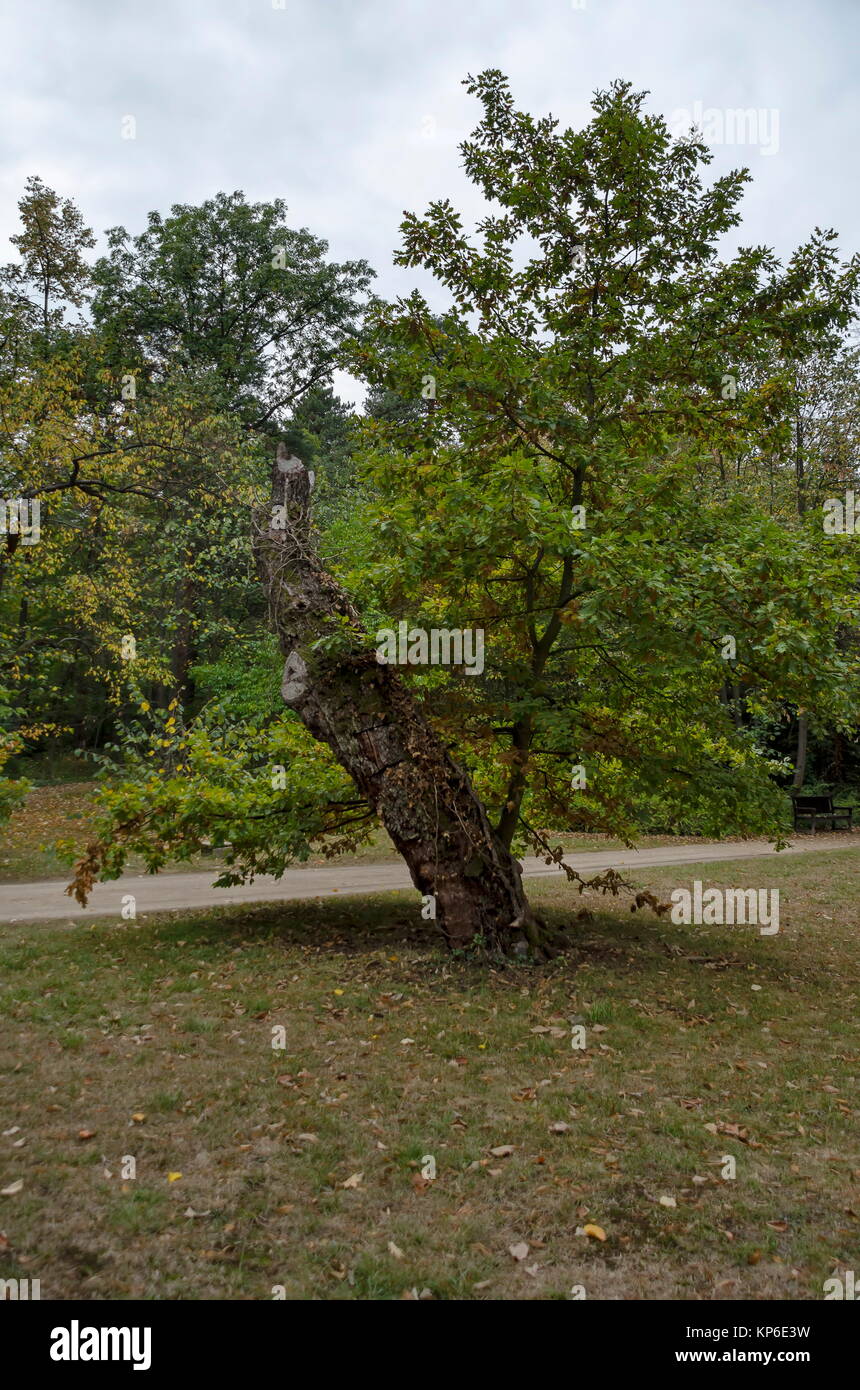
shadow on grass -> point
(373, 927)
(365, 926)
(361, 925)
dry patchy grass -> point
(702, 1042)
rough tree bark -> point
(378, 734)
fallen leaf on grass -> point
(502, 1151)
(733, 1131)
(86, 1134)
(596, 1232)
(12, 1188)
(353, 1180)
(559, 1127)
(519, 1251)
(668, 1201)
(395, 1250)
(173, 1177)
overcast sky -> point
(351, 110)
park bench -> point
(821, 808)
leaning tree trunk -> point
(372, 724)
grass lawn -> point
(301, 1167)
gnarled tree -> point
(549, 479)
(360, 707)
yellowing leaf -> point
(596, 1232)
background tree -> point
(229, 289)
(51, 244)
(125, 425)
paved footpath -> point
(47, 901)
